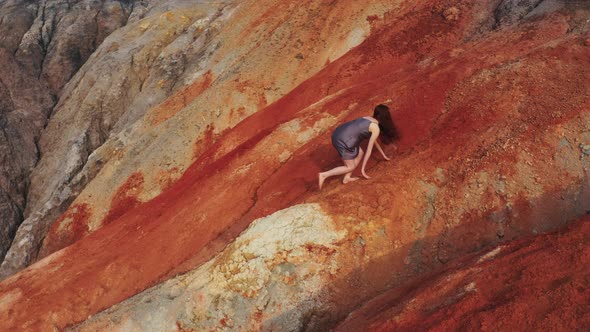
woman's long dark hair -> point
(388, 131)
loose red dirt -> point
(445, 89)
(533, 284)
(126, 198)
(74, 226)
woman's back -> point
(351, 133)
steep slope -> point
(537, 283)
(494, 122)
(42, 45)
(534, 284)
(189, 52)
(138, 66)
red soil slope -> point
(533, 284)
(425, 63)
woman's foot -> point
(321, 179)
(349, 179)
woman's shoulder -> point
(370, 118)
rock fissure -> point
(53, 27)
(42, 40)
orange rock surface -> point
(493, 124)
(532, 284)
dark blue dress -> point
(348, 137)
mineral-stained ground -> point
(170, 181)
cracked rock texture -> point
(42, 46)
(231, 124)
(109, 127)
(117, 84)
(257, 283)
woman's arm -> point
(381, 150)
(374, 129)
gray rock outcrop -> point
(42, 46)
(134, 69)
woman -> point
(347, 139)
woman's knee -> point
(358, 159)
(350, 165)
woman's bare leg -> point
(348, 176)
(349, 166)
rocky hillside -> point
(42, 45)
(178, 170)
(106, 124)
(533, 284)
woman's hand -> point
(381, 150)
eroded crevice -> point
(96, 30)
(43, 46)
(37, 50)
(141, 77)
